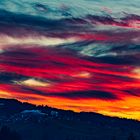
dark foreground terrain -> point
(23, 121)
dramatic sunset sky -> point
(80, 55)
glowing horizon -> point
(86, 61)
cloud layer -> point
(88, 62)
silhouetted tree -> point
(7, 134)
(131, 137)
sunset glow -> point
(86, 63)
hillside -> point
(45, 123)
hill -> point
(45, 123)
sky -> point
(81, 55)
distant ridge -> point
(50, 123)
